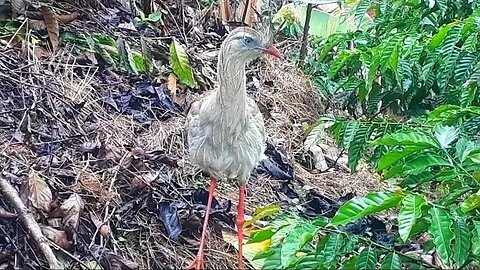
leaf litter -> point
(92, 135)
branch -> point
(306, 27)
(29, 222)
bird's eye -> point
(248, 40)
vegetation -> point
(410, 85)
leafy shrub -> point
(411, 84)
(441, 150)
(413, 58)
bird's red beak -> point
(273, 51)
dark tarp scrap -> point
(144, 100)
(167, 213)
(199, 198)
(277, 164)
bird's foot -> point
(197, 264)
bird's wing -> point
(256, 119)
(194, 121)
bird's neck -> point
(231, 93)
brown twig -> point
(30, 224)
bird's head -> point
(247, 44)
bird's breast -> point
(232, 152)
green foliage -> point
(410, 83)
(412, 58)
(438, 152)
(116, 53)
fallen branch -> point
(29, 222)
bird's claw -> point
(197, 264)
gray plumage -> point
(225, 129)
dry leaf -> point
(102, 228)
(36, 24)
(57, 236)
(225, 10)
(110, 260)
(92, 3)
(72, 209)
(36, 190)
(52, 26)
(66, 18)
(172, 83)
(5, 214)
(19, 6)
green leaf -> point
(180, 64)
(262, 212)
(438, 38)
(441, 231)
(340, 61)
(294, 241)
(309, 261)
(467, 96)
(362, 206)
(350, 263)
(395, 155)
(422, 161)
(351, 244)
(260, 236)
(463, 148)
(147, 55)
(454, 195)
(332, 248)
(461, 244)
(407, 138)
(372, 73)
(445, 135)
(408, 215)
(361, 9)
(367, 259)
(470, 203)
(476, 238)
(139, 62)
(392, 261)
(348, 131)
(357, 145)
(154, 17)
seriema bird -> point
(225, 129)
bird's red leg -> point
(199, 262)
(240, 221)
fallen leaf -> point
(101, 226)
(52, 26)
(5, 214)
(19, 6)
(36, 24)
(66, 18)
(57, 236)
(172, 83)
(72, 209)
(37, 192)
(110, 260)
